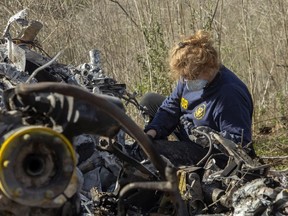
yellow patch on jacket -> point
(200, 111)
(184, 103)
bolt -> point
(49, 194)
(68, 168)
(18, 192)
(6, 163)
(26, 137)
(60, 200)
(57, 140)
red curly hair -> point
(194, 55)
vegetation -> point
(134, 37)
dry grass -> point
(252, 38)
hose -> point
(210, 147)
(102, 103)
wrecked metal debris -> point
(65, 150)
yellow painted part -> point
(30, 130)
(182, 182)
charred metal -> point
(64, 147)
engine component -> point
(39, 173)
(67, 112)
(38, 167)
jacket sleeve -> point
(233, 115)
(168, 114)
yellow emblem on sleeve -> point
(184, 103)
(200, 111)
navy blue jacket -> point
(225, 105)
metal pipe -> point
(99, 101)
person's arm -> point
(167, 116)
(233, 114)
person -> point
(207, 94)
